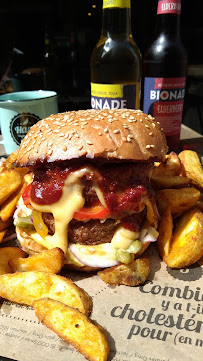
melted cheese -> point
(123, 238)
(99, 194)
(71, 201)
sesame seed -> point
(124, 139)
(149, 146)
(99, 133)
(89, 142)
(150, 133)
(129, 137)
(116, 131)
(64, 148)
(105, 130)
(147, 126)
(80, 147)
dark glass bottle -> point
(164, 72)
(116, 60)
(50, 64)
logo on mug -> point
(21, 124)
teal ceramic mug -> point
(19, 111)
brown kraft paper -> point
(161, 320)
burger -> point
(90, 191)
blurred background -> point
(47, 44)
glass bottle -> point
(164, 72)
(116, 60)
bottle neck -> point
(116, 22)
(168, 17)
(168, 24)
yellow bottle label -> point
(115, 96)
(116, 4)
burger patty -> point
(91, 232)
(95, 231)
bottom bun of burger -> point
(27, 243)
(79, 257)
(31, 247)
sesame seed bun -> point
(120, 134)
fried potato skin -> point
(50, 261)
(170, 167)
(74, 327)
(192, 168)
(26, 287)
(161, 182)
(7, 253)
(132, 274)
(178, 200)
(187, 241)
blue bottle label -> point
(163, 99)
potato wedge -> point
(2, 234)
(171, 167)
(165, 233)
(26, 287)
(192, 168)
(187, 242)
(132, 274)
(200, 261)
(199, 203)
(6, 253)
(8, 207)
(11, 158)
(160, 182)
(178, 200)
(74, 327)
(10, 181)
(5, 224)
(50, 261)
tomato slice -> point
(26, 195)
(95, 212)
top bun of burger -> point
(121, 134)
